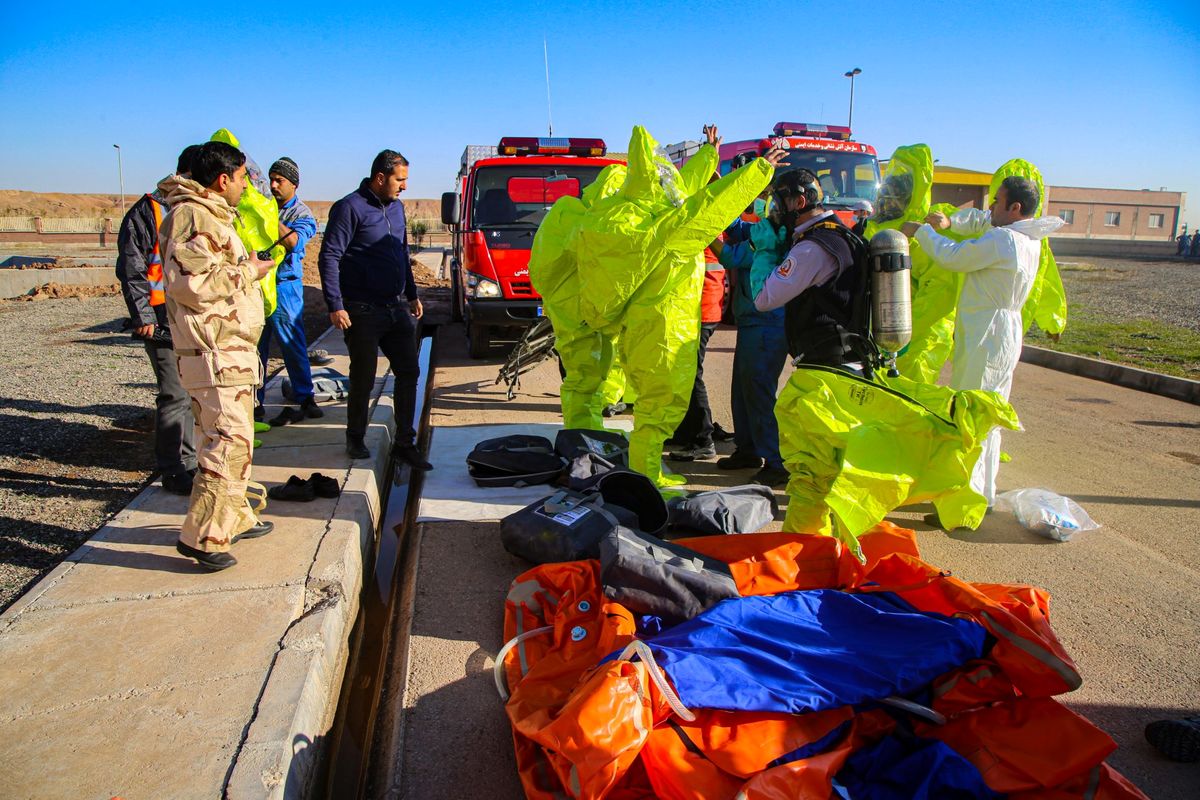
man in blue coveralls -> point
(296, 226)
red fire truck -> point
(504, 193)
(848, 170)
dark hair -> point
(184, 165)
(1023, 191)
(799, 182)
(386, 161)
(215, 159)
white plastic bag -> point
(1046, 513)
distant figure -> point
(140, 269)
(1183, 242)
(1195, 253)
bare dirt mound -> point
(59, 291)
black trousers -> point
(696, 428)
(393, 330)
(174, 426)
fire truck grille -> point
(522, 288)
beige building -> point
(1132, 214)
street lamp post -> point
(850, 75)
(121, 178)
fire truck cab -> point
(503, 194)
(848, 170)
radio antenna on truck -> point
(546, 56)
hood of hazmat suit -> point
(1047, 303)
(905, 197)
(856, 449)
(640, 271)
(554, 271)
(257, 220)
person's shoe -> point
(259, 413)
(1177, 739)
(775, 477)
(255, 531)
(261, 427)
(720, 434)
(296, 489)
(410, 455)
(739, 460)
(180, 483)
(214, 562)
(310, 409)
(288, 415)
(324, 486)
(696, 453)
(319, 358)
(356, 447)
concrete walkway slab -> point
(130, 671)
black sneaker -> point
(775, 477)
(296, 489)
(214, 562)
(255, 531)
(720, 434)
(180, 483)
(739, 460)
(259, 413)
(310, 409)
(410, 455)
(356, 447)
(288, 415)
(697, 453)
(1177, 739)
(324, 486)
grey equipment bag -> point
(738, 509)
(328, 385)
(650, 576)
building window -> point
(1156, 220)
(1112, 219)
(1068, 215)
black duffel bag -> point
(737, 509)
(612, 445)
(650, 576)
(517, 460)
(566, 526)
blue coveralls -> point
(287, 322)
(758, 356)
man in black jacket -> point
(139, 268)
(367, 280)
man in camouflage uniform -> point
(216, 311)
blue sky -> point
(1098, 94)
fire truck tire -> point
(479, 340)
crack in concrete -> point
(159, 596)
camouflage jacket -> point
(213, 298)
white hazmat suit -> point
(999, 269)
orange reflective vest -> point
(154, 267)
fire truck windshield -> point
(844, 177)
(519, 196)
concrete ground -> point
(1126, 597)
(130, 671)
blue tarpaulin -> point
(811, 650)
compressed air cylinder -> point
(891, 292)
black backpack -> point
(517, 460)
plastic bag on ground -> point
(1046, 513)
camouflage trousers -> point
(218, 510)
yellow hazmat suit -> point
(554, 271)
(638, 256)
(905, 197)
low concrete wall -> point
(1067, 246)
(18, 282)
(1119, 374)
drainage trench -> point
(380, 634)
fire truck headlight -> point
(486, 288)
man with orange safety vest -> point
(139, 268)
